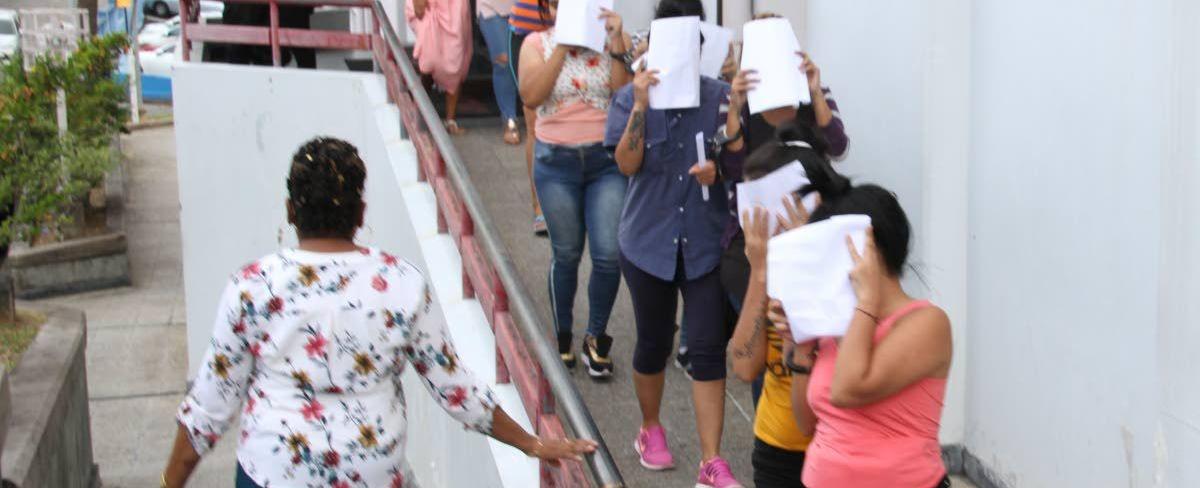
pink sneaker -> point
(651, 446)
(715, 473)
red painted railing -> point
(515, 362)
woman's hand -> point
(757, 231)
(867, 275)
(706, 174)
(554, 450)
(739, 87)
(614, 26)
(729, 69)
(812, 71)
(778, 317)
(642, 81)
(797, 215)
(419, 7)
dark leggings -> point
(655, 303)
(775, 467)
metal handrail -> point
(600, 463)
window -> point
(7, 27)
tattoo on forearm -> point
(747, 348)
(636, 123)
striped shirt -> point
(526, 18)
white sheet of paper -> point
(768, 192)
(769, 47)
(579, 24)
(675, 53)
(717, 43)
(808, 270)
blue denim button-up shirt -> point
(664, 211)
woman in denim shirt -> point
(670, 242)
(577, 182)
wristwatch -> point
(796, 368)
(724, 138)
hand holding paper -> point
(769, 192)
(717, 46)
(769, 48)
(579, 23)
(808, 270)
(675, 53)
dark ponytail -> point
(798, 142)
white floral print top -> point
(309, 348)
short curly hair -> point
(325, 186)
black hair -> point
(679, 8)
(799, 140)
(891, 228)
(325, 186)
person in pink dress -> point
(873, 398)
(443, 47)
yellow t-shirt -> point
(773, 420)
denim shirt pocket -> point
(658, 147)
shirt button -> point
(680, 177)
(680, 146)
(680, 209)
(676, 240)
(685, 241)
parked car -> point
(10, 37)
(162, 8)
(157, 34)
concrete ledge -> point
(73, 266)
(5, 413)
(49, 439)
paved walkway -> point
(498, 171)
(137, 338)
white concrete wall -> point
(236, 129)
(1050, 163)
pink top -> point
(892, 443)
(577, 110)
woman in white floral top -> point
(309, 345)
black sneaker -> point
(564, 350)
(595, 356)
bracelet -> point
(796, 368)
(163, 480)
(864, 312)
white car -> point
(158, 63)
(10, 37)
(157, 34)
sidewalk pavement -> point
(137, 338)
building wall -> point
(1049, 164)
(236, 129)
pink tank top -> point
(890, 444)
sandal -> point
(453, 128)
(512, 135)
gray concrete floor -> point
(137, 338)
(499, 173)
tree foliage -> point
(42, 173)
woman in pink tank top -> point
(874, 397)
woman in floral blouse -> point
(309, 345)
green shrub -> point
(42, 173)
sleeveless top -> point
(892, 443)
(584, 78)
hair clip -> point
(309, 156)
(337, 203)
(796, 144)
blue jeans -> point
(582, 193)
(497, 36)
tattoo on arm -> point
(747, 349)
(635, 130)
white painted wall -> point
(236, 129)
(1051, 165)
